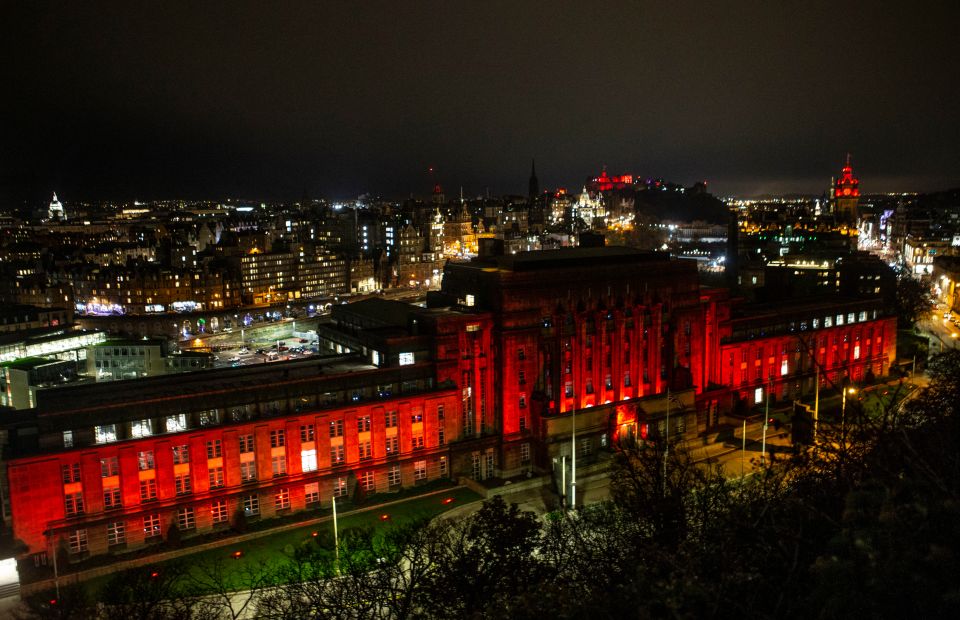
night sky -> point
(274, 100)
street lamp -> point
(843, 415)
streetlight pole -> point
(843, 415)
(666, 443)
(766, 420)
(573, 458)
(336, 537)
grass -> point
(273, 549)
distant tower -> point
(438, 196)
(846, 194)
(55, 211)
(534, 183)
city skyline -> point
(326, 102)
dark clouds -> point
(162, 99)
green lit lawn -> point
(272, 549)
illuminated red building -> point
(846, 194)
(483, 383)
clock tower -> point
(846, 194)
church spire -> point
(534, 187)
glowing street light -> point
(843, 415)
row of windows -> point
(186, 517)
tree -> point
(913, 300)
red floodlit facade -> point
(483, 383)
(846, 193)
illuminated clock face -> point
(846, 191)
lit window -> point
(176, 423)
(140, 428)
(106, 433)
(758, 395)
(336, 455)
(68, 438)
(443, 466)
(406, 359)
(420, 470)
(340, 487)
(308, 460)
(470, 301)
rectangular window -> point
(336, 428)
(70, 473)
(311, 493)
(78, 541)
(441, 436)
(363, 424)
(366, 450)
(248, 471)
(308, 460)
(393, 476)
(443, 466)
(340, 487)
(148, 490)
(68, 438)
(278, 438)
(218, 511)
(306, 433)
(281, 500)
(278, 465)
(420, 470)
(151, 526)
(440, 412)
(586, 447)
(525, 453)
(251, 505)
(367, 481)
(116, 533)
(111, 498)
(185, 518)
(392, 445)
(216, 477)
(336, 455)
(106, 433)
(416, 417)
(140, 428)
(73, 503)
(182, 484)
(145, 460)
(246, 444)
(416, 441)
(181, 454)
(214, 449)
(391, 419)
(176, 423)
